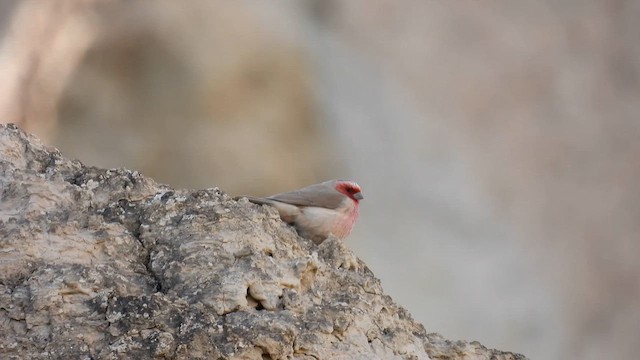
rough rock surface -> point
(108, 264)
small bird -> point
(318, 210)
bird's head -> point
(350, 189)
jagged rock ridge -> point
(108, 264)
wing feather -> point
(321, 195)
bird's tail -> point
(255, 200)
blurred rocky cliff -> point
(486, 135)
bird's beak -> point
(358, 196)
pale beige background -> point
(497, 142)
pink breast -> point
(343, 228)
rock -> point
(108, 264)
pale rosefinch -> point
(318, 210)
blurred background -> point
(497, 142)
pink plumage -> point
(319, 210)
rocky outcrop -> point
(108, 264)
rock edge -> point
(108, 264)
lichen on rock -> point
(108, 264)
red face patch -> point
(350, 189)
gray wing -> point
(321, 195)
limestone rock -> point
(108, 264)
